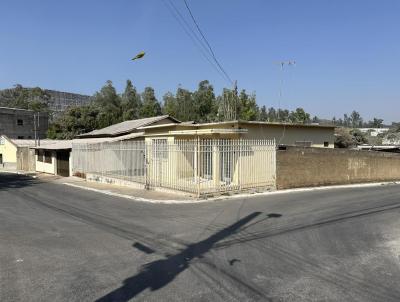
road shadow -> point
(9, 181)
(158, 274)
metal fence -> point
(201, 166)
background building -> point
(57, 101)
(20, 123)
(60, 101)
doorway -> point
(63, 163)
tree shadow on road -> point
(9, 181)
(159, 273)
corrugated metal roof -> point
(96, 140)
(126, 127)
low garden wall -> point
(306, 167)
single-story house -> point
(15, 154)
(55, 158)
(305, 135)
(193, 157)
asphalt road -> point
(59, 243)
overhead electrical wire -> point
(208, 44)
(191, 34)
(200, 43)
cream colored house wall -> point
(50, 168)
(291, 134)
(9, 152)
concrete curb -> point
(108, 192)
(236, 196)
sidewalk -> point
(121, 191)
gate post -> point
(146, 167)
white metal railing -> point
(200, 166)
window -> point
(47, 157)
(303, 143)
(326, 144)
(2, 140)
(40, 155)
(20, 122)
(20, 137)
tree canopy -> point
(202, 105)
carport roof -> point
(31, 142)
(56, 145)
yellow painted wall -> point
(290, 134)
(9, 151)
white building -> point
(374, 131)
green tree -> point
(355, 119)
(204, 103)
(74, 121)
(343, 138)
(35, 99)
(227, 105)
(150, 107)
(185, 104)
(248, 109)
(358, 137)
(283, 115)
(377, 122)
(272, 115)
(299, 116)
(131, 102)
(263, 114)
(170, 105)
(108, 103)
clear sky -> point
(347, 51)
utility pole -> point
(236, 100)
(34, 128)
(36, 124)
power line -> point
(192, 35)
(208, 44)
(188, 26)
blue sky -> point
(347, 52)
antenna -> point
(282, 64)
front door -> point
(63, 163)
(1, 159)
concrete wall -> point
(26, 159)
(306, 167)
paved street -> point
(59, 243)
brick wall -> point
(307, 167)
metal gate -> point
(63, 163)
